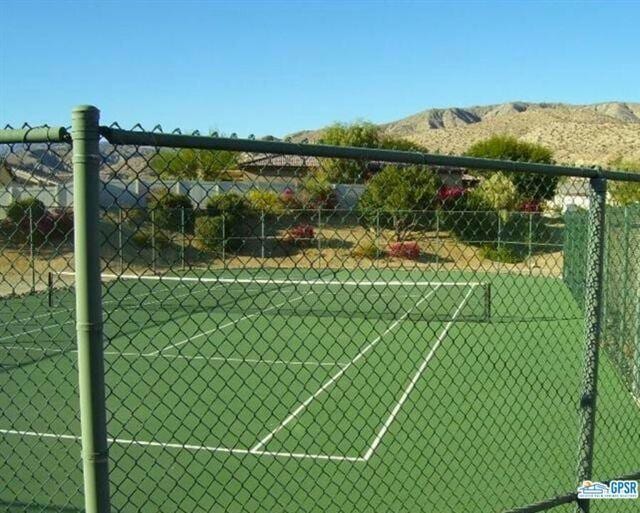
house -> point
(295, 166)
(571, 193)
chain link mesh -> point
(289, 333)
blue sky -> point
(277, 67)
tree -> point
(400, 197)
(625, 193)
(361, 135)
(189, 164)
(316, 191)
(171, 211)
(503, 147)
(497, 193)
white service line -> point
(337, 375)
(189, 447)
(415, 379)
(227, 324)
(228, 359)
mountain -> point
(577, 134)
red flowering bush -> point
(450, 194)
(530, 206)
(409, 250)
(301, 234)
(289, 199)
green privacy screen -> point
(621, 335)
(199, 324)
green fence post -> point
(120, 239)
(32, 250)
(530, 241)
(625, 273)
(378, 252)
(262, 232)
(593, 330)
(318, 240)
(437, 244)
(86, 162)
(635, 387)
(183, 233)
(224, 239)
(153, 241)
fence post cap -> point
(85, 108)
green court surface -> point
(426, 405)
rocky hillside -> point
(577, 134)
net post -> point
(487, 300)
(593, 330)
(89, 330)
(50, 289)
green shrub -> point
(190, 164)
(316, 191)
(264, 201)
(400, 198)
(208, 231)
(529, 186)
(147, 238)
(142, 238)
(21, 210)
(497, 192)
(230, 204)
(625, 193)
(168, 209)
(359, 134)
(235, 214)
(366, 249)
(137, 216)
(501, 254)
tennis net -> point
(375, 299)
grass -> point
(483, 420)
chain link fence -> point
(335, 329)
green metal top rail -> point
(118, 136)
(41, 134)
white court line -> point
(337, 375)
(256, 361)
(415, 379)
(309, 363)
(227, 324)
(189, 447)
(288, 281)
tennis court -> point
(238, 368)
